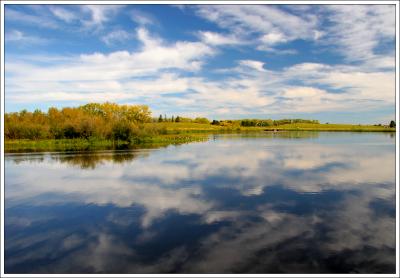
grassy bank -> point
(174, 133)
(191, 128)
(25, 145)
(332, 127)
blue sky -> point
(325, 62)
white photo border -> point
(166, 2)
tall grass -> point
(41, 145)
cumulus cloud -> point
(253, 87)
(154, 56)
(90, 74)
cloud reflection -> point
(243, 204)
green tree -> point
(160, 119)
(392, 124)
(201, 121)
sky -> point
(333, 63)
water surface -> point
(284, 203)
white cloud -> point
(248, 87)
(30, 19)
(379, 86)
(257, 90)
(19, 37)
(275, 51)
(214, 38)
(14, 35)
(155, 55)
(142, 18)
(99, 14)
(116, 36)
(272, 25)
(273, 38)
(252, 64)
(355, 82)
(63, 14)
(251, 89)
(147, 40)
(358, 30)
(302, 92)
(318, 34)
(91, 75)
(309, 100)
(164, 83)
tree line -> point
(93, 120)
(179, 119)
(269, 122)
(108, 121)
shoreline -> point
(178, 137)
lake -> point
(290, 202)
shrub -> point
(13, 131)
(201, 121)
(122, 130)
(70, 132)
(86, 129)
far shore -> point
(176, 133)
(103, 126)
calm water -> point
(292, 203)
